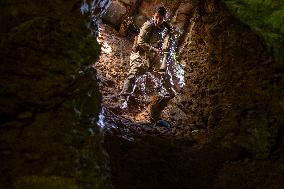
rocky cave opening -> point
(144, 112)
(61, 125)
(221, 72)
(224, 84)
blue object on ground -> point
(163, 123)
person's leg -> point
(156, 106)
(129, 83)
(135, 71)
(166, 82)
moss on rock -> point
(264, 17)
(36, 182)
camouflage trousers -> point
(139, 65)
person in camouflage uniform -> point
(147, 52)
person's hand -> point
(158, 51)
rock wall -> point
(141, 10)
(232, 86)
(49, 100)
(266, 18)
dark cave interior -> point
(61, 124)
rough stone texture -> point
(128, 2)
(231, 82)
(49, 98)
(112, 65)
(115, 13)
(182, 14)
(266, 18)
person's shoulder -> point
(148, 23)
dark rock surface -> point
(232, 82)
(115, 13)
(49, 99)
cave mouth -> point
(142, 112)
(50, 137)
(215, 81)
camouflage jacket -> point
(150, 37)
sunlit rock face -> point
(115, 13)
(231, 83)
(49, 97)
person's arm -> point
(143, 37)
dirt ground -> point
(112, 68)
